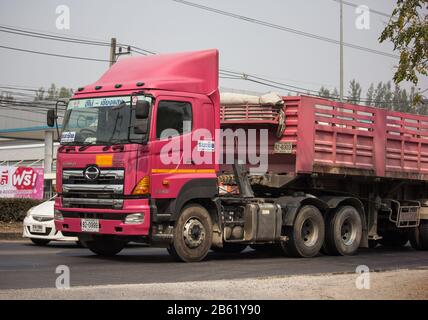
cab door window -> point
(173, 118)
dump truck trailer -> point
(153, 153)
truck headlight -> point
(134, 218)
(58, 215)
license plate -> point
(38, 228)
(90, 225)
(283, 147)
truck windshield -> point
(100, 121)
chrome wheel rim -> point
(194, 233)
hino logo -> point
(92, 173)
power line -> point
(371, 10)
(35, 110)
(78, 40)
(227, 74)
(20, 88)
(286, 29)
(39, 102)
(53, 34)
(224, 74)
(49, 37)
(17, 118)
(53, 54)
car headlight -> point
(134, 218)
(29, 212)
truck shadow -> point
(161, 255)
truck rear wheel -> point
(230, 248)
(192, 237)
(306, 236)
(419, 236)
(104, 247)
(343, 232)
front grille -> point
(94, 215)
(103, 192)
(42, 218)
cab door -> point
(180, 134)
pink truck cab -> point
(140, 161)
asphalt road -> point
(23, 265)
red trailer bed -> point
(323, 136)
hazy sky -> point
(166, 26)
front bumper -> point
(111, 222)
(52, 233)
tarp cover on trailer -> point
(271, 99)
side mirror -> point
(51, 118)
(142, 126)
(142, 109)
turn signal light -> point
(142, 187)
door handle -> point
(189, 161)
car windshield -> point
(101, 121)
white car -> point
(39, 225)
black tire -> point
(230, 248)
(105, 247)
(40, 242)
(306, 236)
(419, 236)
(394, 239)
(192, 236)
(343, 232)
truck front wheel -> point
(419, 236)
(343, 232)
(306, 236)
(192, 236)
(104, 246)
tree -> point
(408, 31)
(64, 93)
(40, 94)
(324, 92)
(396, 99)
(379, 94)
(354, 92)
(387, 98)
(53, 93)
(405, 103)
(6, 97)
(335, 94)
(370, 95)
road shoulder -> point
(399, 284)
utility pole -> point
(113, 54)
(341, 50)
(112, 51)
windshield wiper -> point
(85, 146)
